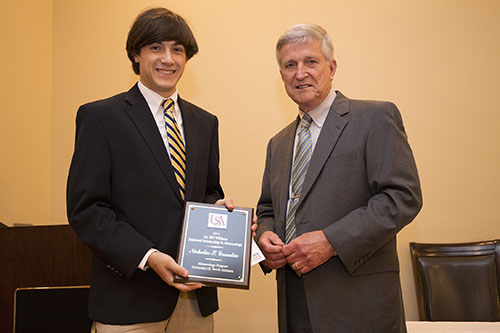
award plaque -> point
(215, 245)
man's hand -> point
(165, 266)
(228, 202)
(272, 247)
(255, 226)
(308, 251)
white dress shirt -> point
(154, 102)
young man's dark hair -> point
(157, 25)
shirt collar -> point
(319, 113)
(154, 99)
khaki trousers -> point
(185, 318)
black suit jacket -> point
(123, 199)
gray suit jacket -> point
(361, 188)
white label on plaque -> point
(218, 221)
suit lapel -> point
(191, 137)
(330, 133)
(284, 159)
(138, 111)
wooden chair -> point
(457, 282)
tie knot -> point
(168, 105)
(306, 120)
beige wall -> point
(437, 60)
(25, 116)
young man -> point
(340, 182)
(138, 156)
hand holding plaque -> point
(215, 245)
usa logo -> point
(218, 221)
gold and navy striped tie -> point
(301, 161)
(176, 144)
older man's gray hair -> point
(301, 33)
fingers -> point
(269, 243)
(272, 239)
(254, 226)
(299, 268)
(186, 287)
(274, 264)
(166, 267)
(290, 248)
(276, 240)
(271, 246)
(228, 202)
(177, 269)
(296, 256)
(181, 271)
(308, 251)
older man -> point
(340, 182)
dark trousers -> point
(296, 304)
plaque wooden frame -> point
(215, 245)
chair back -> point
(52, 309)
(457, 282)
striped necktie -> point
(176, 144)
(301, 161)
